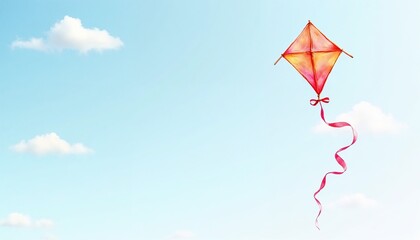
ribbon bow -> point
(314, 102)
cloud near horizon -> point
(69, 33)
(24, 221)
(49, 143)
(366, 117)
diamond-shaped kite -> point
(313, 55)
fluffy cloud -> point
(357, 200)
(182, 234)
(16, 220)
(21, 220)
(69, 33)
(33, 43)
(49, 143)
(366, 117)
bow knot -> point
(314, 102)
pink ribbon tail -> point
(339, 160)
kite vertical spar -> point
(313, 55)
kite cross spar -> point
(313, 55)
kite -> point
(313, 55)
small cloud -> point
(182, 234)
(357, 200)
(33, 43)
(24, 221)
(69, 33)
(366, 117)
(49, 143)
(16, 220)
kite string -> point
(338, 158)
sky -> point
(163, 120)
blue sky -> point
(167, 120)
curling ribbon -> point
(339, 160)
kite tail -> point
(339, 160)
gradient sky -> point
(174, 123)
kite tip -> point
(309, 21)
(348, 54)
(278, 59)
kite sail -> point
(313, 55)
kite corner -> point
(348, 54)
(278, 59)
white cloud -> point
(49, 143)
(33, 43)
(16, 220)
(182, 234)
(357, 200)
(69, 33)
(365, 117)
(21, 220)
